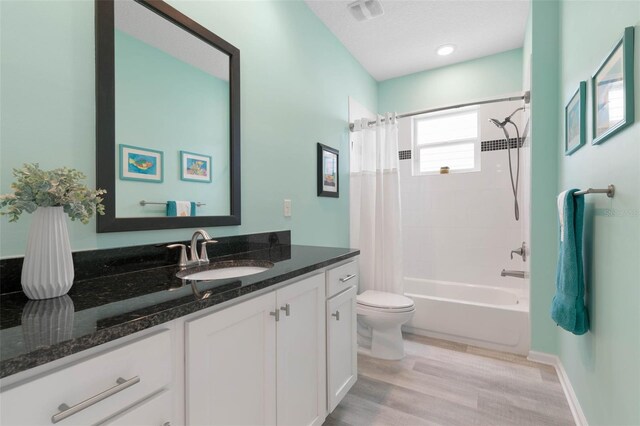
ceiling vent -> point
(363, 10)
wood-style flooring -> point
(445, 383)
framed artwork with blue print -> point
(575, 120)
(141, 164)
(195, 167)
(612, 90)
(328, 183)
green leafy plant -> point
(60, 187)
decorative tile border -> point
(405, 154)
(492, 145)
(499, 144)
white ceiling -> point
(404, 40)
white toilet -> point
(380, 316)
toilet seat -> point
(380, 301)
(364, 309)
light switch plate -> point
(287, 208)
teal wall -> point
(466, 81)
(545, 107)
(296, 77)
(604, 364)
(165, 104)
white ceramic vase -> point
(47, 270)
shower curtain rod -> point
(526, 96)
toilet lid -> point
(381, 299)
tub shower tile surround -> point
(118, 292)
(460, 227)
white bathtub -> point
(488, 317)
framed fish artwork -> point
(141, 164)
(195, 167)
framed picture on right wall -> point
(575, 119)
(612, 89)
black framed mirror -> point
(167, 119)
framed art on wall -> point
(141, 164)
(575, 120)
(195, 167)
(612, 90)
(328, 184)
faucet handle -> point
(183, 254)
(520, 251)
(203, 250)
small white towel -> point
(181, 208)
(560, 201)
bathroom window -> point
(446, 139)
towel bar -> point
(610, 191)
(144, 203)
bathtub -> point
(489, 317)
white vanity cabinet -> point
(261, 362)
(342, 348)
(267, 360)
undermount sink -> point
(224, 270)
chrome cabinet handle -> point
(347, 278)
(276, 314)
(287, 309)
(66, 411)
(337, 315)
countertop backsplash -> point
(100, 263)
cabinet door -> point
(301, 353)
(230, 365)
(342, 347)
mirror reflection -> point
(172, 118)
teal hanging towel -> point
(568, 309)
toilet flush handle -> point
(337, 315)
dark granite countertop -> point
(107, 307)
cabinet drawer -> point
(341, 278)
(157, 410)
(107, 382)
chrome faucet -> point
(521, 251)
(193, 248)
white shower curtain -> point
(375, 204)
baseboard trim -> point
(572, 399)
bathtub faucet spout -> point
(516, 274)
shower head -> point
(497, 123)
(501, 124)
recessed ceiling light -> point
(446, 49)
